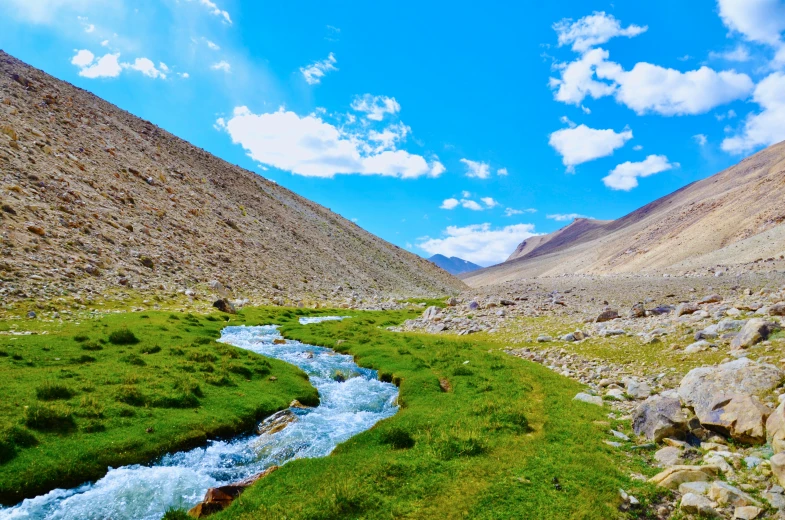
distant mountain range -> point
(735, 217)
(454, 265)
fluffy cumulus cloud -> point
(625, 176)
(450, 203)
(477, 169)
(502, 172)
(581, 144)
(376, 108)
(453, 203)
(489, 202)
(593, 30)
(478, 243)
(648, 88)
(147, 67)
(314, 72)
(107, 66)
(761, 21)
(310, 146)
(564, 217)
(766, 126)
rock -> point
(147, 262)
(637, 311)
(445, 385)
(659, 417)
(607, 315)
(675, 475)
(276, 422)
(37, 230)
(686, 308)
(778, 309)
(775, 428)
(697, 505)
(31, 315)
(579, 335)
(777, 463)
(725, 494)
(218, 288)
(620, 435)
(702, 388)
(777, 500)
(699, 488)
(746, 513)
(224, 305)
(712, 298)
(637, 389)
(668, 456)
(431, 313)
(698, 346)
(452, 301)
(474, 305)
(568, 337)
(754, 331)
(743, 417)
(586, 398)
(543, 338)
(616, 393)
(217, 499)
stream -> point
(145, 492)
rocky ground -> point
(695, 364)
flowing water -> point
(181, 479)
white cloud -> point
(184, 75)
(105, 43)
(106, 66)
(311, 147)
(477, 169)
(89, 28)
(163, 66)
(730, 114)
(146, 67)
(216, 11)
(625, 176)
(470, 204)
(761, 21)
(45, 11)
(509, 212)
(314, 72)
(563, 217)
(740, 54)
(648, 88)
(466, 194)
(83, 58)
(582, 144)
(701, 139)
(222, 65)
(637, 147)
(478, 243)
(389, 137)
(593, 30)
(489, 202)
(766, 127)
(502, 172)
(375, 107)
(437, 168)
(450, 204)
(212, 45)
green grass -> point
(126, 388)
(494, 446)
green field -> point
(505, 440)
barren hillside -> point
(733, 217)
(95, 199)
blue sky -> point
(458, 128)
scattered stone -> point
(542, 338)
(668, 456)
(699, 488)
(218, 288)
(607, 315)
(675, 475)
(712, 298)
(747, 513)
(725, 494)
(775, 428)
(218, 499)
(754, 331)
(659, 417)
(686, 308)
(587, 398)
(698, 346)
(697, 505)
(31, 315)
(637, 311)
(743, 417)
(637, 389)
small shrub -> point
(16, 357)
(134, 359)
(189, 386)
(176, 351)
(11, 439)
(92, 346)
(176, 514)
(174, 317)
(202, 341)
(212, 318)
(81, 338)
(51, 391)
(398, 438)
(240, 370)
(3, 353)
(150, 350)
(90, 407)
(131, 395)
(123, 337)
(49, 417)
(175, 400)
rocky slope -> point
(94, 199)
(731, 218)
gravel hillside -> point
(94, 199)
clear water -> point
(145, 492)
(320, 319)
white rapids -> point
(145, 492)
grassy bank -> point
(479, 435)
(78, 397)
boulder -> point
(754, 331)
(711, 298)
(658, 417)
(224, 305)
(746, 513)
(431, 313)
(697, 505)
(703, 387)
(587, 398)
(637, 389)
(607, 315)
(672, 477)
(699, 488)
(637, 311)
(668, 456)
(698, 346)
(218, 499)
(743, 417)
(725, 494)
(777, 463)
(775, 429)
(686, 308)
(778, 309)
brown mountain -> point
(731, 218)
(95, 200)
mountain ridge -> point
(453, 264)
